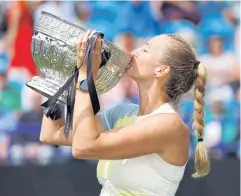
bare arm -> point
(154, 134)
(157, 132)
(14, 17)
(52, 132)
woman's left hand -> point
(81, 47)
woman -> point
(145, 150)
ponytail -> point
(202, 162)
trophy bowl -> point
(54, 53)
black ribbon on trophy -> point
(52, 47)
(54, 111)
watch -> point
(82, 85)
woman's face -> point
(147, 59)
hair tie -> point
(196, 64)
(200, 139)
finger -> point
(78, 50)
(98, 44)
(85, 40)
(92, 33)
(83, 46)
(78, 43)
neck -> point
(151, 97)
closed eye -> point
(145, 47)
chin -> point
(132, 74)
(130, 71)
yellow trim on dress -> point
(126, 120)
(102, 168)
(104, 165)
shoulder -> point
(176, 124)
(168, 124)
(172, 138)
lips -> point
(128, 65)
(134, 55)
(131, 62)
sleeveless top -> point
(147, 175)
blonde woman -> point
(143, 149)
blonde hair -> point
(202, 162)
(185, 72)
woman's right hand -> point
(81, 47)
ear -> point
(162, 71)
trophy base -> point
(46, 87)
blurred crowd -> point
(212, 27)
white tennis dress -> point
(148, 175)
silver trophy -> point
(54, 53)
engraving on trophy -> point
(54, 53)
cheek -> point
(146, 63)
(143, 67)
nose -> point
(135, 53)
